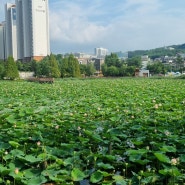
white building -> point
(11, 37)
(100, 52)
(32, 29)
(145, 60)
(142, 73)
(2, 42)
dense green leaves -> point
(2, 69)
(96, 177)
(114, 66)
(70, 67)
(162, 157)
(100, 131)
(77, 174)
(11, 71)
(156, 68)
(53, 67)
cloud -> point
(81, 25)
(75, 25)
(74, 29)
(115, 26)
(153, 31)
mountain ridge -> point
(171, 50)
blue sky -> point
(118, 25)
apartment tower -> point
(100, 52)
(32, 29)
(10, 31)
(2, 41)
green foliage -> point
(158, 52)
(156, 68)
(98, 131)
(112, 60)
(11, 71)
(96, 177)
(77, 174)
(2, 69)
(130, 70)
(113, 66)
(47, 67)
(179, 64)
(53, 67)
(162, 157)
(70, 67)
(181, 77)
(104, 69)
(90, 70)
(59, 57)
(26, 66)
(42, 68)
(83, 69)
(135, 61)
(112, 71)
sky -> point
(117, 25)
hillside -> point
(158, 52)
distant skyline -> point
(117, 25)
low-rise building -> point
(142, 73)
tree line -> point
(158, 52)
(59, 66)
(114, 66)
(56, 66)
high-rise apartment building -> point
(2, 41)
(101, 52)
(11, 32)
(32, 29)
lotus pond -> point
(96, 131)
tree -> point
(70, 67)
(104, 69)
(130, 70)
(34, 66)
(19, 65)
(11, 71)
(64, 67)
(2, 69)
(179, 63)
(122, 70)
(112, 60)
(83, 69)
(53, 67)
(24, 66)
(135, 61)
(59, 57)
(43, 68)
(112, 71)
(156, 68)
(90, 70)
